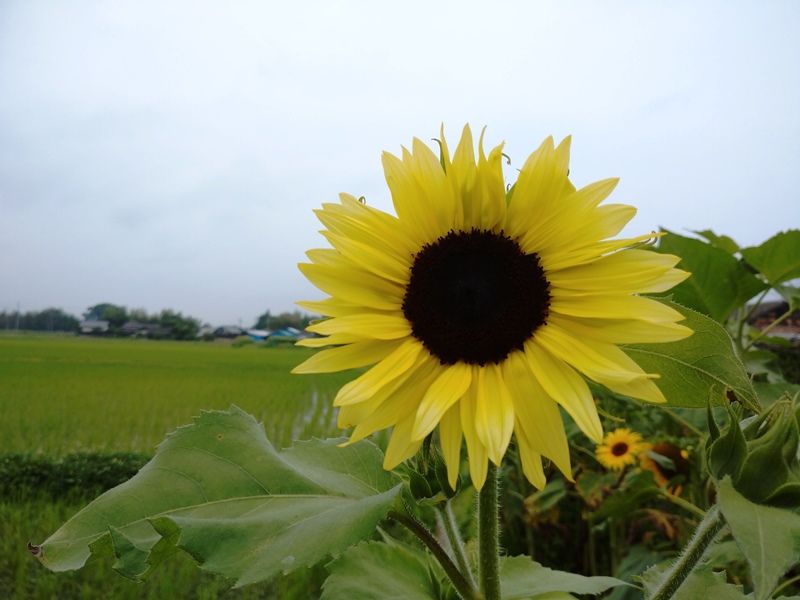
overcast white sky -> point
(169, 154)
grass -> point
(64, 394)
(70, 394)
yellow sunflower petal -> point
(642, 389)
(367, 325)
(596, 360)
(491, 186)
(604, 363)
(372, 259)
(464, 174)
(570, 255)
(391, 367)
(607, 306)
(494, 412)
(409, 201)
(622, 331)
(367, 225)
(428, 171)
(567, 388)
(354, 414)
(354, 286)
(401, 447)
(537, 414)
(608, 221)
(445, 391)
(531, 460)
(394, 405)
(478, 457)
(542, 178)
(330, 340)
(639, 271)
(331, 307)
(354, 355)
(450, 435)
(557, 230)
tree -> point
(180, 327)
(50, 319)
(116, 315)
(294, 319)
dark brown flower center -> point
(475, 296)
(619, 449)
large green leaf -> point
(219, 490)
(697, 368)
(378, 571)
(778, 258)
(723, 242)
(768, 537)
(791, 294)
(522, 579)
(719, 283)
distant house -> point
(288, 333)
(138, 329)
(205, 331)
(258, 335)
(133, 328)
(228, 331)
(93, 326)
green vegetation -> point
(168, 324)
(49, 319)
(285, 319)
(61, 395)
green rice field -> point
(66, 394)
(61, 394)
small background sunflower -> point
(620, 448)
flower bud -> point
(760, 454)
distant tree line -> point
(49, 319)
(294, 319)
(168, 324)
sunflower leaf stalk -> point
(456, 543)
(462, 585)
(705, 533)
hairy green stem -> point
(463, 587)
(488, 536)
(705, 533)
(456, 543)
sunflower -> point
(619, 449)
(482, 309)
